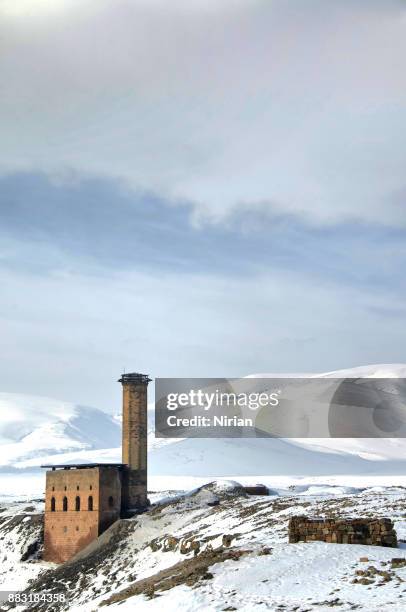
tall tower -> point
(134, 449)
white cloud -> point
(297, 104)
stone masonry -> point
(375, 531)
(134, 449)
(80, 504)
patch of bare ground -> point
(331, 603)
(19, 522)
(379, 576)
(263, 507)
(187, 572)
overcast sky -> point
(199, 187)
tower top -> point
(135, 378)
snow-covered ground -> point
(20, 526)
(149, 564)
(299, 577)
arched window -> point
(65, 504)
(90, 502)
(111, 501)
(52, 504)
(77, 503)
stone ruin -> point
(374, 531)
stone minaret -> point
(134, 447)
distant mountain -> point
(32, 428)
(379, 370)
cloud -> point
(295, 106)
(95, 278)
(102, 226)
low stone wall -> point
(378, 532)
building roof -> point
(135, 377)
(82, 466)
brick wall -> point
(110, 484)
(378, 531)
(135, 444)
(70, 527)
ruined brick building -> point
(83, 500)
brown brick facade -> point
(80, 505)
(135, 429)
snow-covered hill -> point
(32, 428)
(216, 549)
(379, 370)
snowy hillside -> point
(379, 370)
(32, 428)
(216, 549)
